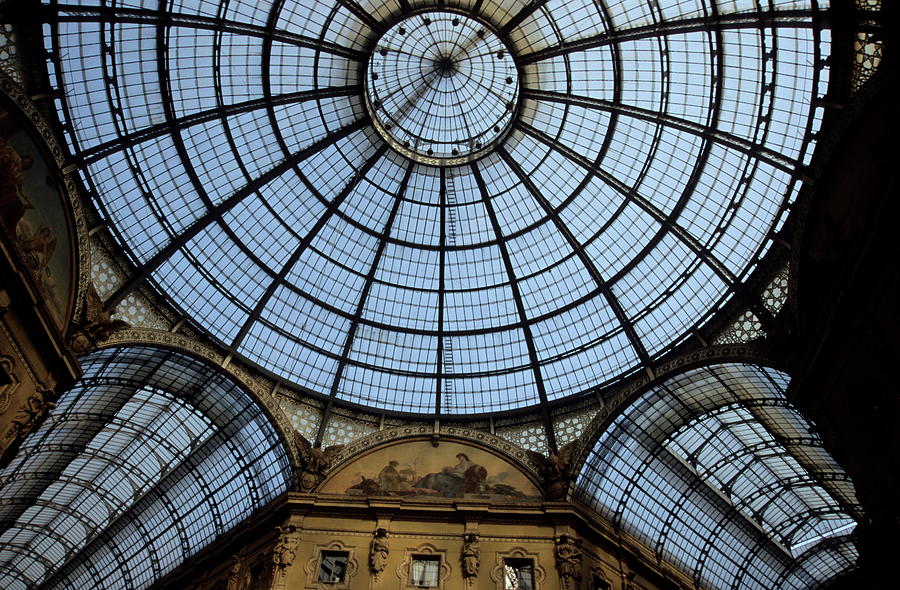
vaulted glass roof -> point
(148, 459)
(717, 472)
(251, 159)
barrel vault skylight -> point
(441, 207)
(719, 474)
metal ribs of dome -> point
(441, 87)
(656, 149)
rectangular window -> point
(600, 583)
(518, 574)
(333, 566)
(425, 571)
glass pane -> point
(518, 575)
(425, 571)
(333, 567)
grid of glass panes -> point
(150, 457)
(655, 151)
(701, 482)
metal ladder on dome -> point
(447, 384)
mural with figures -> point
(416, 468)
(32, 213)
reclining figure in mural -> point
(453, 481)
(401, 472)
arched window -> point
(150, 457)
(716, 471)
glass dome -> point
(602, 178)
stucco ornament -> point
(554, 470)
(470, 558)
(568, 561)
(284, 552)
(26, 420)
(238, 574)
(97, 325)
(314, 462)
(378, 556)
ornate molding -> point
(498, 571)
(404, 570)
(314, 565)
(70, 195)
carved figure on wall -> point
(286, 547)
(8, 381)
(283, 553)
(98, 324)
(568, 561)
(13, 202)
(470, 557)
(379, 554)
(28, 416)
(26, 420)
(238, 574)
(314, 462)
(554, 470)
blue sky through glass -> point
(654, 149)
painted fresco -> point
(31, 210)
(451, 470)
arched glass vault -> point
(149, 458)
(645, 154)
(721, 476)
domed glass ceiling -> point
(602, 177)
